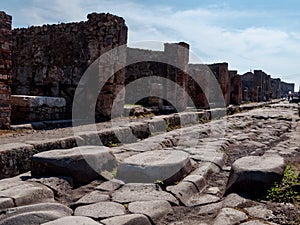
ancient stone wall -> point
(199, 85)
(276, 88)
(259, 86)
(286, 88)
(5, 70)
(220, 70)
(50, 60)
(235, 88)
(156, 64)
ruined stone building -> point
(259, 86)
(51, 60)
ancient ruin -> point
(208, 160)
(5, 69)
(50, 61)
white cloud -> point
(210, 31)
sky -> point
(248, 35)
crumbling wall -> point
(235, 88)
(159, 64)
(259, 86)
(199, 87)
(5, 70)
(221, 73)
(50, 60)
(286, 88)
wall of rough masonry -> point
(259, 86)
(221, 73)
(159, 64)
(199, 85)
(286, 88)
(5, 69)
(50, 60)
(229, 81)
(235, 87)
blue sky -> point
(249, 35)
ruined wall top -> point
(92, 18)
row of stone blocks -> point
(15, 158)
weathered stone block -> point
(37, 108)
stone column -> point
(5, 70)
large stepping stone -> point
(34, 214)
(73, 220)
(254, 175)
(142, 192)
(167, 166)
(18, 193)
(132, 219)
(100, 210)
(83, 164)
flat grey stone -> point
(213, 191)
(6, 203)
(132, 219)
(155, 210)
(183, 191)
(142, 192)
(197, 180)
(254, 175)
(255, 222)
(168, 166)
(157, 125)
(149, 144)
(202, 199)
(34, 214)
(233, 200)
(26, 193)
(93, 197)
(100, 210)
(210, 209)
(83, 164)
(205, 169)
(213, 156)
(260, 212)
(229, 216)
(110, 185)
(73, 220)
(60, 185)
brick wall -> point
(5, 70)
